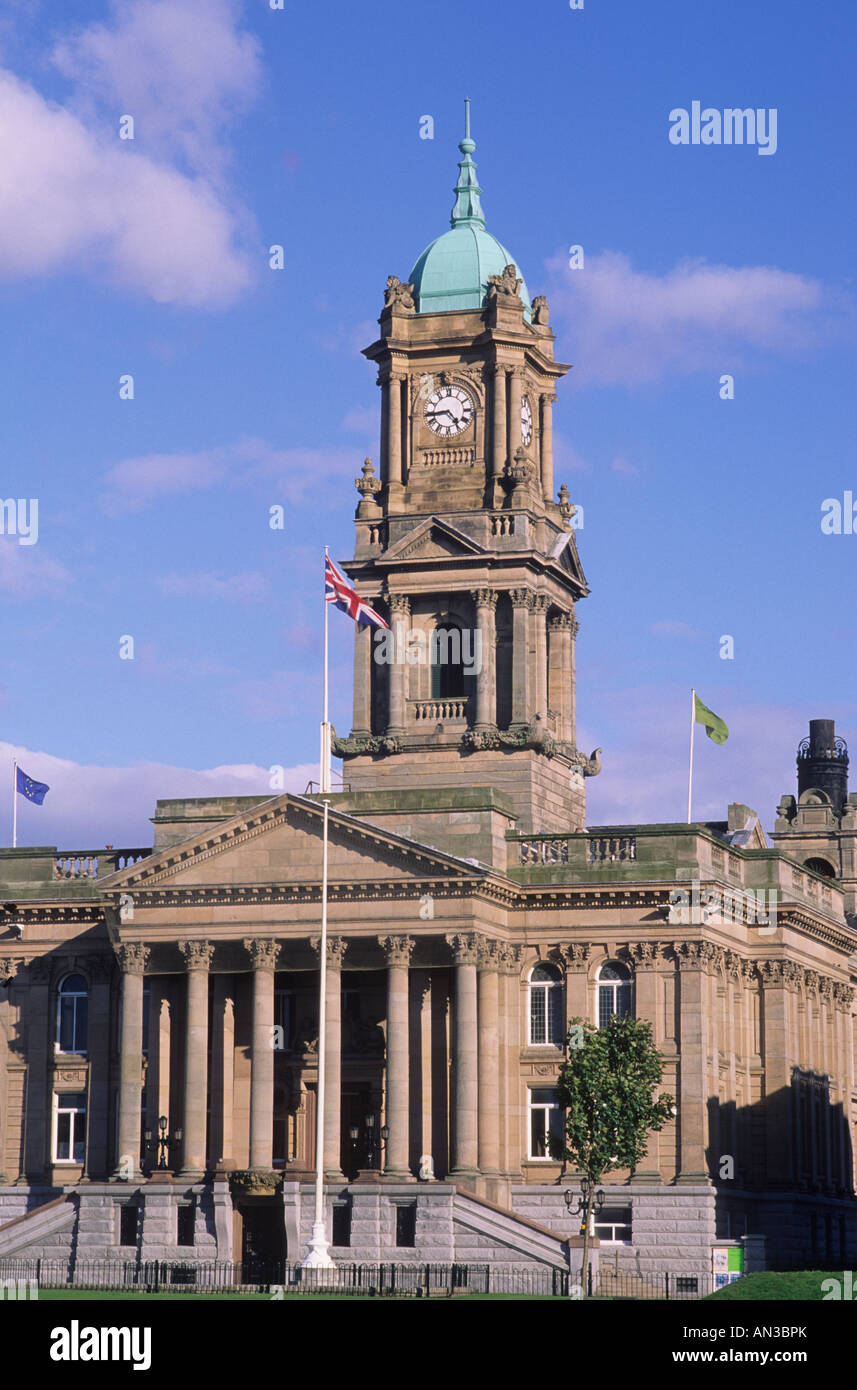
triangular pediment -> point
(565, 557)
(433, 539)
(280, 842)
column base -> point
(464, 1175)
(190, 1174)
(398, 1175)
(698, 1178)
(650, 1175)
(373, 1175)
(335, 1175)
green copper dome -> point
(452, 272)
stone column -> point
(394, 435)
(336, 947)
(400, 608)
(546, 439)
(398, 951)
(501, 449)
(363, 678)
(485, 602)
(383, 381)
(516, 392)
(198, 956)
(100, 1059)
(561, 673)
(540, 609)
(263, 953)
(693, 1050)
(521, 709)
(465, 1062)
(777, 1063)
(132, 962)
(40, 1028)
(646, 956)
(489, 1062)
(511, 1143)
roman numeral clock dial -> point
(449, 411)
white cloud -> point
(27, 572)
(631, 327)
(238, 588)
(286, 475)
(667, 627)
(89, 807)
(71, 200)
(152, 215)
(181, 68)
(644, 734)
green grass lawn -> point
(803, 1284)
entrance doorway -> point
(263, 1241)
(360, 1145)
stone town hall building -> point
(145, 1113)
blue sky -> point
(301, 127)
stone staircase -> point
(37, 1227)
(505, 1228)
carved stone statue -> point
(541, 313)
(506, 285)
(398, 293)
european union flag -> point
(33, 791)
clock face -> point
(526, 420)
(449, 411)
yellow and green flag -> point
(714, 726)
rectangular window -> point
(538, 1014)
(406, 1224)
(73, 1009)
(545, 1121)
(70, 1127)
(128, 1222)
(613, 1224)
(185, 1224)
(341, 1223)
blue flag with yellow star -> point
(32, 790)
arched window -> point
(614, 991)
(447, 663)
(820, 866)
(72, 1010)
(546, 1021)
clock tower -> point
(463, 542)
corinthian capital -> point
(263, 952)
(336, 948)
(484, 598)
(197, 954)
(133, 957)
(397, 949)
(464, 947)
(571, 956)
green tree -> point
(607, 1088)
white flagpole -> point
(318, 1256)
(14, 803)
(690, 767)
(324, 771)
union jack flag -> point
(338, 590)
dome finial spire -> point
(468, 208)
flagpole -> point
(318, 1256)
(690, 766)
(14, 803)
(324, 771)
